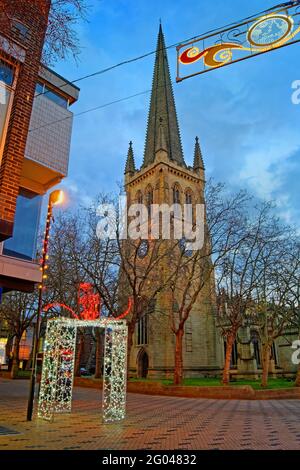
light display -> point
(58, 367)
(250, 38)
(89, 305)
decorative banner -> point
(242, 41)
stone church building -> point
(164, 177)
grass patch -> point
(24, 373)
(215, 382)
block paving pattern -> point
(152, 423)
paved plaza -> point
(152, 423)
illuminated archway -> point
(59, 357)
(58, 367)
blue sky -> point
(243, 114)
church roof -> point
(162, 111)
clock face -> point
(143, 249)
(270, 30)
(183, 247)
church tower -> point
(164, 177)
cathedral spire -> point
(130, 165)
(198, 159)
(162, 107)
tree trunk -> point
(98, 373)
(226, 370)
(297, 381)
(178, 372)
(8, 351)
(29, 362)
(79, 355)
(16, 358)
(266, 363)
(131, 329)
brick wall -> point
(33, 14)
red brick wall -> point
(34, 15)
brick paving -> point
(152, 423)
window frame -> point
(12, 89)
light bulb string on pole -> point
(43, 268)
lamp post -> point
(55, 198)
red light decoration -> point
(89, 305)
(126, 312)
(58, 304)
(89, 302)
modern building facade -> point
(35, 134)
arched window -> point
(149, 197)
(274, 354)
(256, 346)
(176, 194)
(189, 204)
(139, 197)
(142, 330)
(188, 197)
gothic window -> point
(139, 197)
(274, 354)
(176, 194)
(149, 198)
(188, 197)
(142, 330)
(189, 203)
(256, 347)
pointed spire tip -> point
(130, 164)
(162, 105)
(198, 159)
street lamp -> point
(55, 198)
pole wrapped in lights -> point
(56, 197)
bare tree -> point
(194, 271)
(18, 310)
(116, 270)
(61, 37)
(243, 273)
(288, 280)
(273, 314)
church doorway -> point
(143, 364)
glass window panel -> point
(56, 98)
(24, 239)
(39, 88)
(4, 101)
(6, 73)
